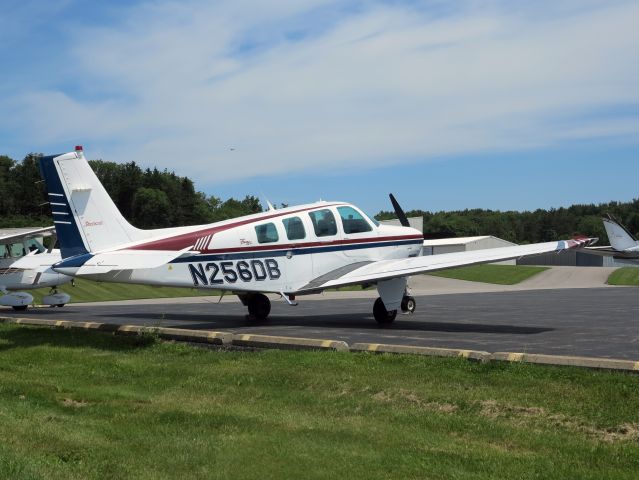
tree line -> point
(148, 198)
(529, 226)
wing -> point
(370, 272)
(14, 235)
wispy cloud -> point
(234, 89)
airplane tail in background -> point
(620, 238)
(85, 217)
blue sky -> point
(493, 104)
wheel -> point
(20, 307)
(61, 305)
(382, 315)
(259, 306)
(408, 304)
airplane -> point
(26, 264)
(292, 251)
(623, 246)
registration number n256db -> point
(216, 273)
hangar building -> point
(465, 244)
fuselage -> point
(275, 251)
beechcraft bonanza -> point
(26, 264)
(292, 251)
(624, 247)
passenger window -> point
(294, 228)
(266, 233)
(323, 223)
(353, 221)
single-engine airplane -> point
(26, 264)
(291, 251)
(623, 247)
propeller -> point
(399, 212)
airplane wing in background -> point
(370, 272)
(15, 235)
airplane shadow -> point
(339, 321)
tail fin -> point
(85, 217)
(620, 238)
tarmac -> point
(564, 311)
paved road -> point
(601, 322)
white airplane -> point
(623, 245)
(292, 251)
(25, 264)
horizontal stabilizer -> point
(118, 260)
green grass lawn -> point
(81, 405)
(499, 274)
(624, 276)
(89, 291)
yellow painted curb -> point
(584, 362)
(428, 351)
(269, 341)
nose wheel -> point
(408, 304)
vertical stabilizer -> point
(85, 217)
(620, 238)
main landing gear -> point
(259, 306)
(385, 317)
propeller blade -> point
(399, 212)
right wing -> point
(371, 272)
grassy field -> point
(624, 276)
(89, 291)
(499, 274)
(85, 405)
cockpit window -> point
(294, 228)
(266, 233)
(323, 223)
(353, 221)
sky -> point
(499, 104)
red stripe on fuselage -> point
(292, 246)
(180, 242)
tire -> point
(20, 308)
(61, 305)
(259, 306)
(382, 315)
(408, 304)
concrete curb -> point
(476, 355)
(268, 341)
(180, 334)
(584, 362)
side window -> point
(353, 221)
(323, 223)
(266, 233)
(294, 228)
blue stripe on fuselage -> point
(296, 251)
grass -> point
(89, 291)
(83, 405)
(499, 274)
(624, 276)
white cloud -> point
(171, 86)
